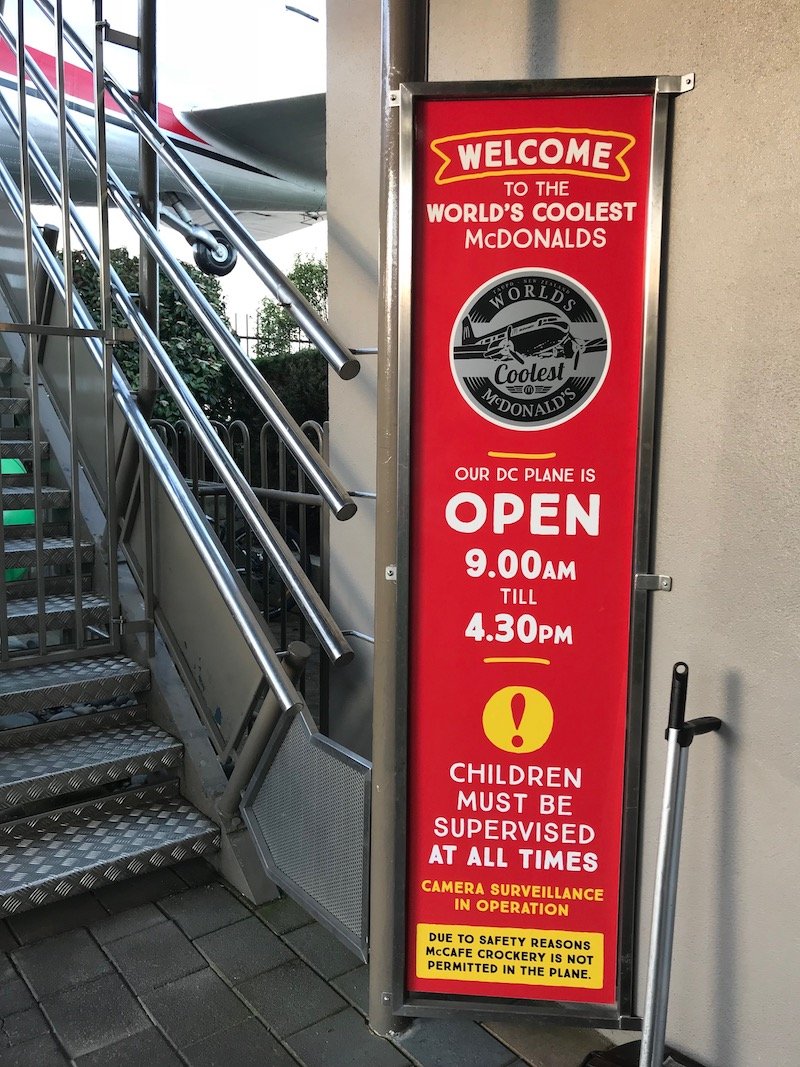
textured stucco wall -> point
(354, 121)
(728, 492)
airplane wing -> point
(285, 138)
(263, 225)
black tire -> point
(220, 262)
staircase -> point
(108, 767)
(89, 789)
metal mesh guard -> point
(308, 809)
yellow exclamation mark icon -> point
(518, 719)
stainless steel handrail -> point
(292, 574)
(31, 354)
(335, 495)
(112, 514)
(74, 459)
(338, 355)
(189, 512)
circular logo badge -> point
(530, 349)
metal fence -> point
(281, 486)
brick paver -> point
(175, 969)
(61, 962)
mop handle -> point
(687, 731)
(677, 697)
(682, 733)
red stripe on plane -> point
(79, 85)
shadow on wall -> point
(543, 28)
(728, 917)
(362, 259)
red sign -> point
(529, 231)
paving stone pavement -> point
(175, 969)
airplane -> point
(544, 335)
(264, 157)
(543, 332)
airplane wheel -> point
(220, 262)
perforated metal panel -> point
(308, 810)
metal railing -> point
(263, 529)
(271, 406)
(241, 684)
(100, 637)
(252, 522)
(298, 514)
(337, 354)
(191, 517)
(316, 469)
(282, 488)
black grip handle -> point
(677, 700)
(706, 724)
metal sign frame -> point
(620, 1014)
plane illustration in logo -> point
(530, 349)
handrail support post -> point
(266, 720)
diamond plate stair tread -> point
(23, 496)
(14, 405)
(18, 449)
(90, 719)
(25, 588)
(53, 856)
(23, 614)
(57, 684)
(73, 763)
(21, 551)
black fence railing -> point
(282, 487)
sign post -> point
(530, 241)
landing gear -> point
(220, 260)
(212, 251)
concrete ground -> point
(175, 968)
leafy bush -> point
(183, 339)
(297, 372)
(276, 330)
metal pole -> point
(294, 663)
(31, 342)
(663, 923)
(661, 935)
(404, 47)
(680, 735)
(74, 461)
(101, 172)
(149, 197)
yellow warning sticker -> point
(521, 957)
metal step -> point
(54, 685)
(71, 764)
(21, 551)
(18, 479)
(73, 721)
(24, 588)
(14, 405)
(23, 614)
(23, 496)
(19, 449)
(49, 857)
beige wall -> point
(728, 492)
(353, 153)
